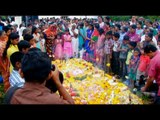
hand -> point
(55, 75)
(143, 89)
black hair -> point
(25, 31)
(150, 34)
(20, 25)
(96, 25)
(149, 48)
(23, 44)
(34, 29)
(87, 21)
(6, 28)
(151, 30)
(50, 83)
(81, 24)
(101, 17)
(136, 49)
(35, 49)
(107, 23)
(91, 26)
(28, 37)
(118, 26)
(67, 30)
(12, 36)
(107, 17)
(109, 33)
(126, 37)
(133, 26)
(101, 31)
(29, 24)
(140, 22)
(16, 57)
(36, 66)
(125, 29)
(116, 34)
(133, 44)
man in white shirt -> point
(75, 43)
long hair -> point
(12, 36)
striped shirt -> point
(16, 79)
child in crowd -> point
(143, 66)
(108, 52)
(30, 39)
(23, 46)
(15, 78)
(100, 49)
(115, 54)
(41, 43)
(123, 56)
(67, 47)
(59, 49)
(131, 46)
(133, 65)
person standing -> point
(153, 70)
(75, 42)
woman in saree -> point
(4, 61)
(93, 42)
(50, 33)
(87, 41)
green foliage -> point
(127, 18)
(120, 18)
(3, 17)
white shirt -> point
(20, 31)
(16, 79)
(36, 36)
(101, 24)
(75, 30)
(5, 24)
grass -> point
(1, 93)
(146, 99)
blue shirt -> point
(121, 37)
(16, 79)
(123, 54)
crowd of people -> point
(128, 50)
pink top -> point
(67, 47)
(100, 41)
(66, 42)
(144, 62)
(134, 37)
(154, 68)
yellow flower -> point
(108, 64)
